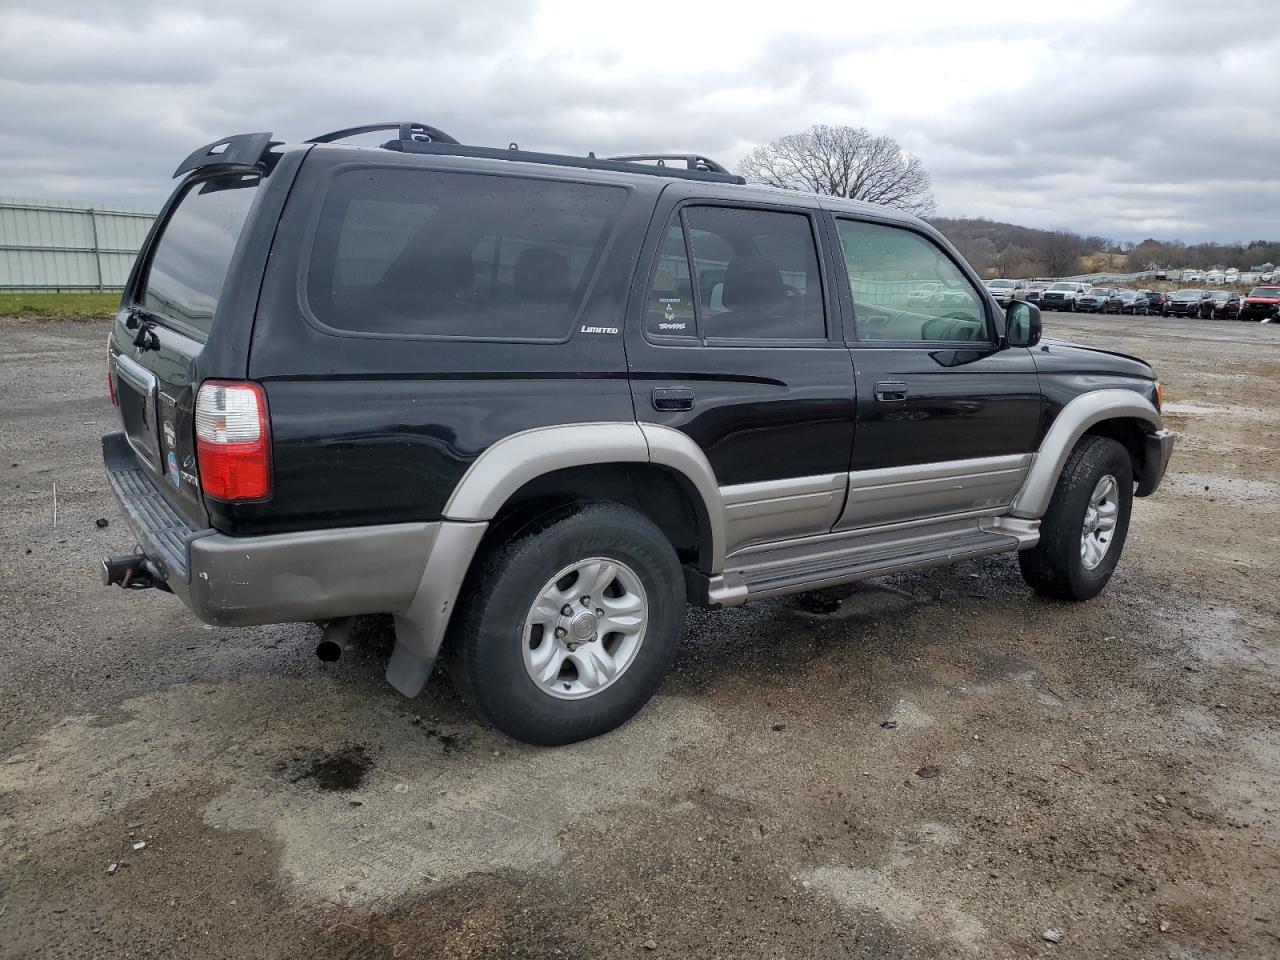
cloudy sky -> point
(1125, 119)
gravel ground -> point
(937, 765)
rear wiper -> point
(146, 339)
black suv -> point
(1187, 303)
(528, 404)
(1100, 300)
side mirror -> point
(1022, 324)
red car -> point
(1263, 303)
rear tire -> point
(1083, 532)
(548, 677)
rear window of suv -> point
(416, 253)
(190, 261)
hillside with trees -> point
(1009, 250)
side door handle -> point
(672, 398)
(891, 390)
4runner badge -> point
(611, 330)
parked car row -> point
(1262, 304)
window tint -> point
(906, 289)
(669, 307)
(423, 253)
(191, 259)
(756, 274)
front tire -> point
(570, 626)
(1083, 532)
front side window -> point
(905, 289)
(425, 253)
(754, 276)
(192, 256)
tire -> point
(1056, 566)
(487, 657)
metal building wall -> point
(47, 245)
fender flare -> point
(507, 465)
(1071, 424)
(501, 470)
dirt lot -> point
(1109, 770)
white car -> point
(1006, 290)
(1063, 295)
(924, 294)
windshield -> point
(1128, 295)
(1000, 283)
(1269, 292)
(1189, 294)
(1220, 295)
(1063, 286)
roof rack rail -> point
(408, 130)
(244, 151)
(692, 161)
(565, 160)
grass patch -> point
(59, 306)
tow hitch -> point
(133, 572)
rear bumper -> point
(413, 571)
(1159, 447)
(279, 578)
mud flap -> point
(421, 628)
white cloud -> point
(1118, 119)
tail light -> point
(233, 441)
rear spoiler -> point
(244, 151)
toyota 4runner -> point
(529, 404)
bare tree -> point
(1013, 261)
(980, 253)
(843, 162)
(1060, 252)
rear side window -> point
(191, 259)
(408, 253)
(755, 276)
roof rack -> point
(699, 169)
(250, 150)
(408, 130)
(692, 161)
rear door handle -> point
(672, 398)
(891, 390)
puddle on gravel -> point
(1249, 787)
(1177, 409)
(280, 757)
(1257, 493)
(339, 770)
(1227, 636)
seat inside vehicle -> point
(755, 302)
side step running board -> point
(777, 579)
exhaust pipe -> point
(335, 639)
(133, 572)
